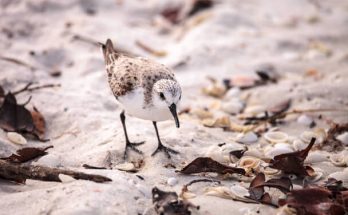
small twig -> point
(87, 40)
(150, 50)
(92, 167)
(18, 62)
(30, 89)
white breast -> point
(133, 104)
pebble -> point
(172, 181)
(66, 178)
(234, 106)
(16, 138)
(305, 120)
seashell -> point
(249, 163)
(279, 148)
(188, 195)
(305, 120)
(214, 90)
(341, 176)
(270, 171)
(16, 138)
(343, 138)
(243, 81)
(232, 93)
(316, 157)
(249, 137)
(215, 153)
(222, 122)
(225, 193)
(202, 114)
(299, 145)
(234, 106)
(172, 181)
(316, 176)
(66, 178)
(306, 136)
(241, 128)
(276, 137)
(339, 159)
(126, 167)
(239, 190)
(255, 109)
(254, 153)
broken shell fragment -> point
(66, 178)
(249, 163)
(172, 181)
(214, 90)
(343, 138)
(319, 134)
(276, 137)
(126, 167)
(202, 114)
(316, 157)
(16, 138)
(224, 192)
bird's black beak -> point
(172, 109)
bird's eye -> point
(162, 96)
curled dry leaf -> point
(293, 162)
(205, 164)
(27, 154)
(169, 203)
(39, 124)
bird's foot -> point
(133, 147)
(165, 149)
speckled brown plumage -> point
(126, 73)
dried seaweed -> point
(26, 154)
(293, 163)
(331, 140)
(206, 164)
(168, 203)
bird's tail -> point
(110, 54)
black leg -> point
(129, 144)
(160, 146)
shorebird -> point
(146, 89)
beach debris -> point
(21, 172)
(267, 73)
(331, 138)
(87, 166)
(18, 62)
(340, 159)
(168, 203)
(317, 200)
(233, 106)
(257, 191)
(249, 164)
(237, 154)
(214, 90)
(341, 176)
(200, 5)
(29, 88)
(226, 193)
(278, 149)
(293, 163)
(205, 164)
(17, 118)
(172, 181)
(127, 167)
(343, 138)
(26, 154)
(280, 107)
(276, 137)
(16, 138)
(186, 194)
(246, 138)
(316, 176)
(150, 50)
(221, 122)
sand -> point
(233, 38)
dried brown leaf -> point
(206, 164)
(39, 124)
(26, 154)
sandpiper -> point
(146, 90)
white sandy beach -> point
(231, 38)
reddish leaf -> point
(26, 154)
(39, 124)
(205, 164)
(292, 163)
(255, 190)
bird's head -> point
(167, 94)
